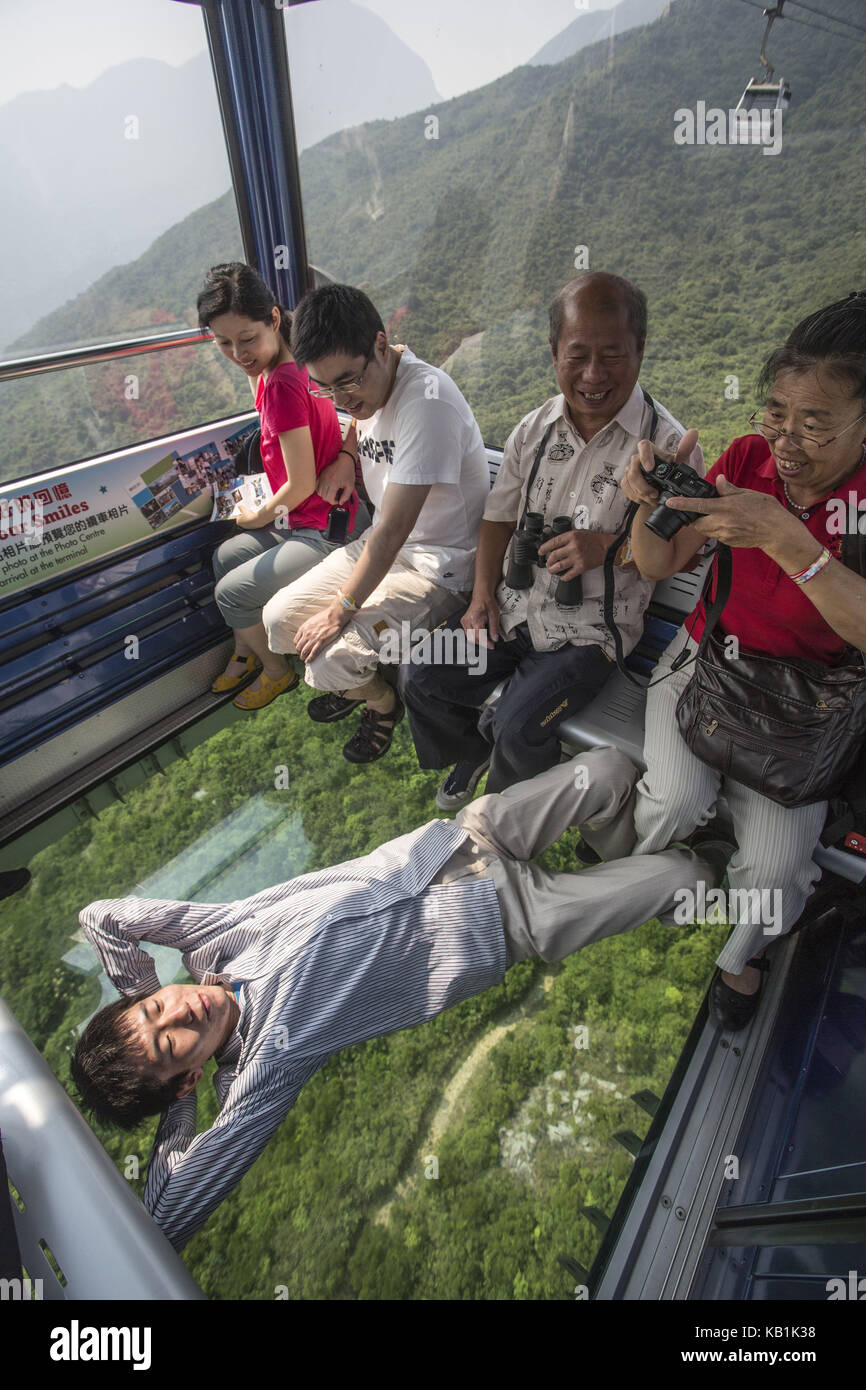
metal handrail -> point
(100, 352)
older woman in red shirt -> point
(778, 509)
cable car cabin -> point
(755, 121)
(123, 774)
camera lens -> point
(665, 523)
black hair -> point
(235, 288)
(109, 1077)
(833, 338)
(633, 300)
(334, 319)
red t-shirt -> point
(767, 611)
(284, 403)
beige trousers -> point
(351, 660)
(552, 914)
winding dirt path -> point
(448, 1109)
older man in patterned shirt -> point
(288, 977)
(555, 659)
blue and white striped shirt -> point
(326, 960)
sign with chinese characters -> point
(59, 521)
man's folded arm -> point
(114, 926)
(188, 1175)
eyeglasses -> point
(810, 438)
(348, 388)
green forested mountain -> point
(462, 239)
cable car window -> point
(111, 147)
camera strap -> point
(610, 556)
(539, 455)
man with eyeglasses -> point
(425, 470)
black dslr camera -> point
(674, 480)
(524, 557)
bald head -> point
(597, 335)
(594, 293)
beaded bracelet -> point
(805, 575)
(347, 601)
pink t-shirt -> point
(284, 403)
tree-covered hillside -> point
(465, 237)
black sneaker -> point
(459, 786)
(327, 709)
(373, 736)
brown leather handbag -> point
(789, 729)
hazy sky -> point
(465, 43)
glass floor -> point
(447, 1161)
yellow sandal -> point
(257, 699)
(224, 682)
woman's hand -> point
(248, 519)
(738, 516)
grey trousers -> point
(252, 566)
(552, 914)
(772, 872)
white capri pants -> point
(352, 659)
(678, 793)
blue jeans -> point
(543, 689)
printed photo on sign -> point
(235, 442)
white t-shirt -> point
(426, 433)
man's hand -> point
(249, 519)
(635, 485)
(481, 620)
(315, 634)
(575, 552)
(738, 516)
(336, 482)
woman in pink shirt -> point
(300, 438)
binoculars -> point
(524, 558)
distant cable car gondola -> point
(764, 94)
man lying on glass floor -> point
(288, 977)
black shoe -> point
(11, 880)
(730, 1009)
(585, 855)
(327, 709)
(716, 854)
(373, 737)
(459, 786)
